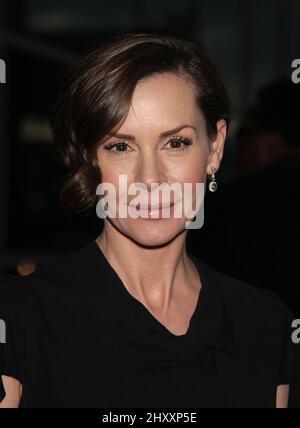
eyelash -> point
(186, 141)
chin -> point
(151, 233)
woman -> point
(132, 320)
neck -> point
(154, 275)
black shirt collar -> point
(148, 344)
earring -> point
(213, 184)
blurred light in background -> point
(26, 267)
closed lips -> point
(154, 207)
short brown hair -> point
(95, 96)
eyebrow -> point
(163, 134)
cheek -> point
(191, 172)
(109, 176)
(194, 173)
(109, 172)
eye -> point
(179, 143)
(119, 148)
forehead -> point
(163, 100)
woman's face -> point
(160, 103)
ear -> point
(217, 147)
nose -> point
(151, 170)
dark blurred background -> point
(251, 226)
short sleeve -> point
(10, 328)
(290, 364)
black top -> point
(76, 337)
